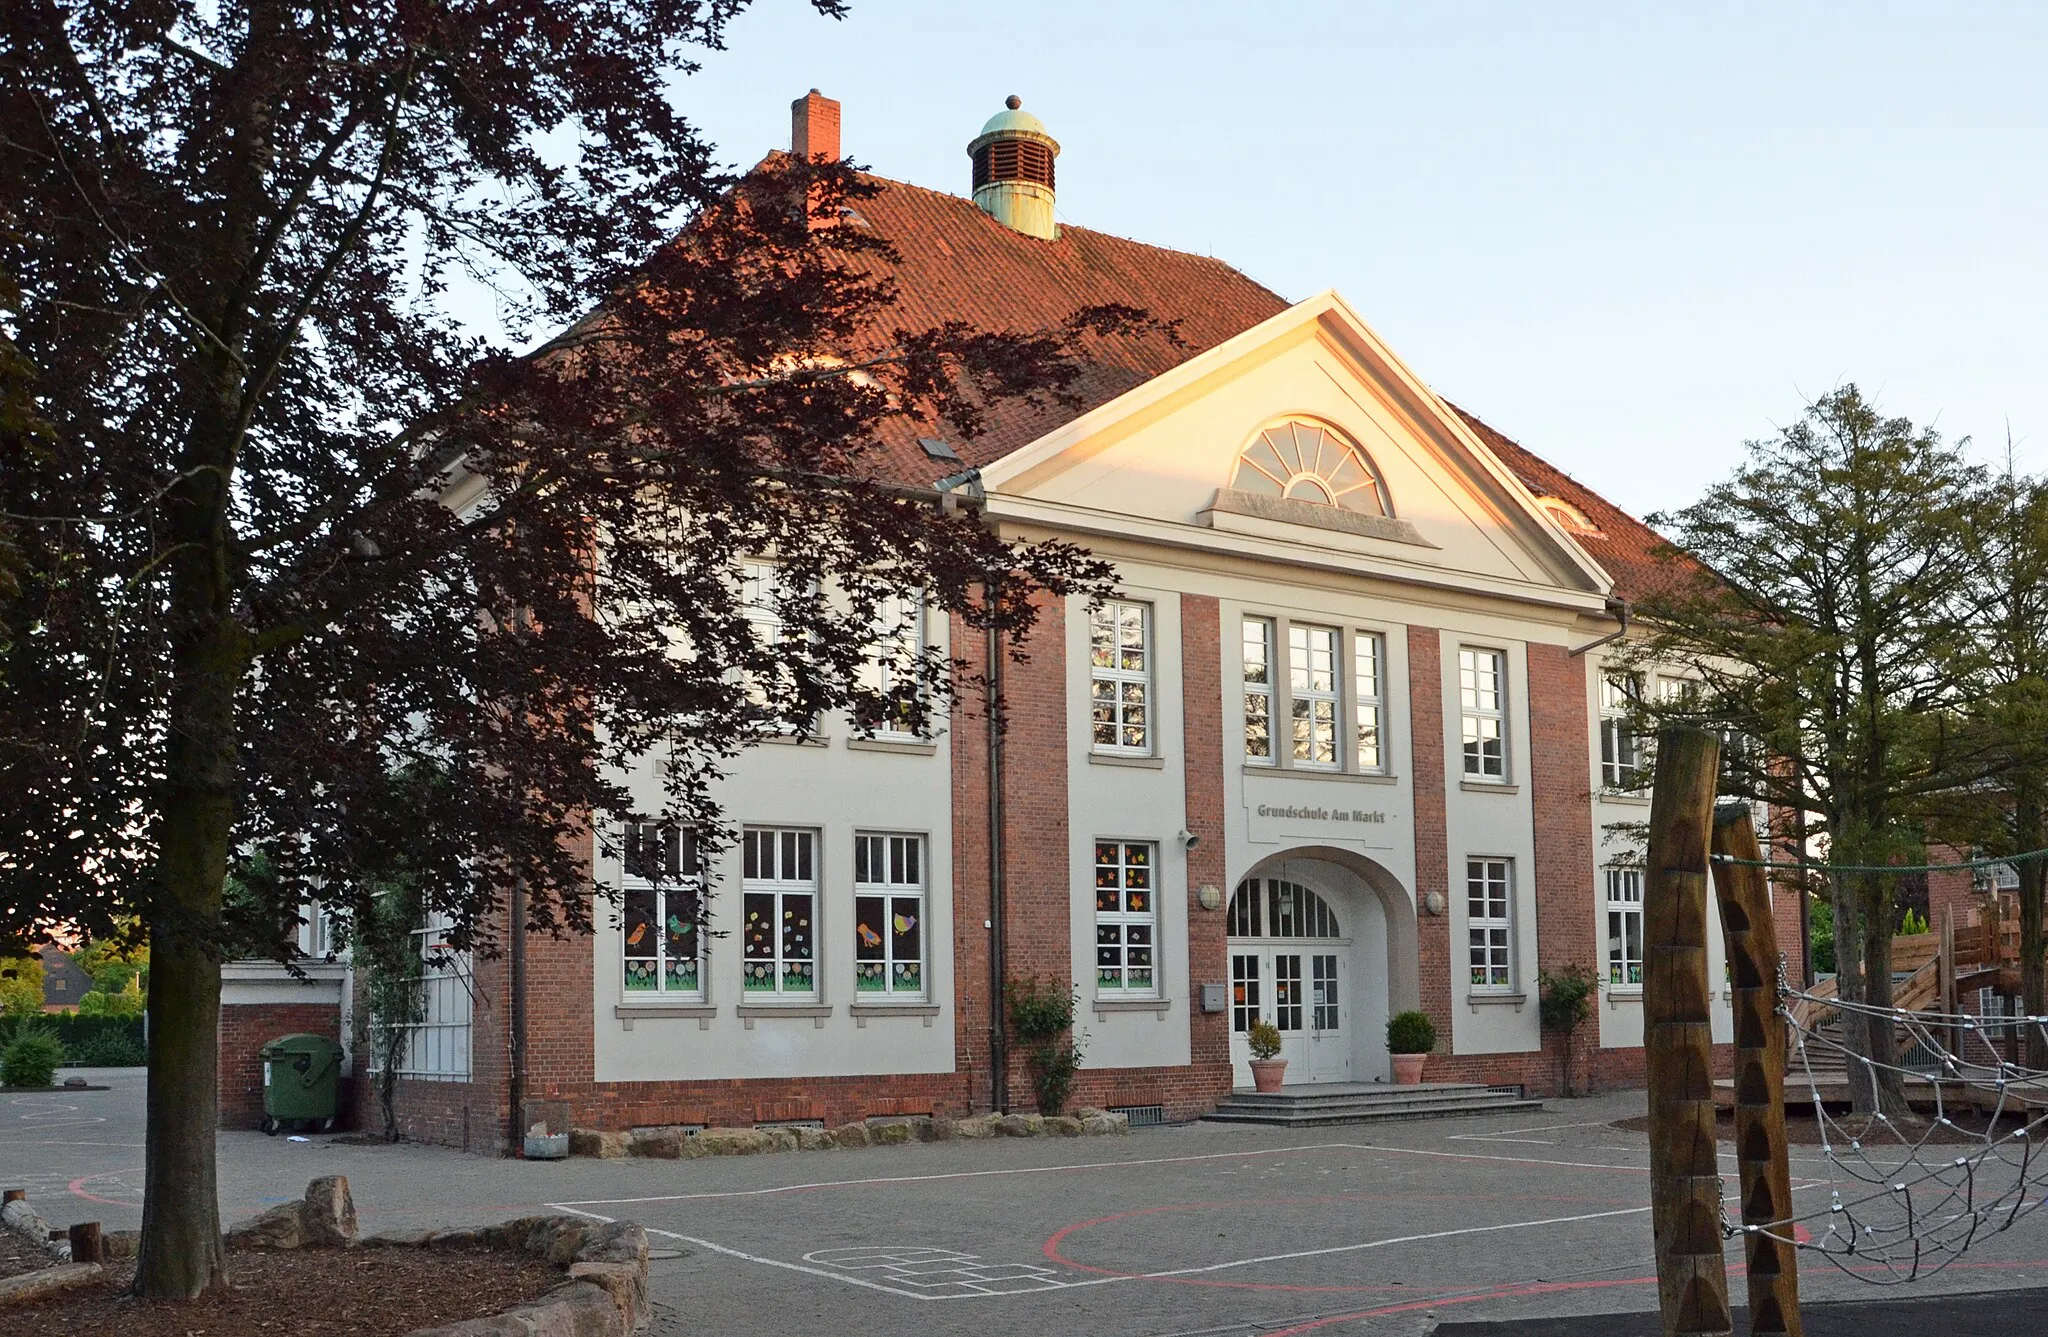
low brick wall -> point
(244, 1029)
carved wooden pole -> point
(1751, 936)
(1685, 1178)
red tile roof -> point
(957, 263)
(1625, 547)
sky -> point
(1630, 236)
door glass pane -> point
(1287, 992)
(1325, 996)
(1244, 991)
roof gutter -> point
(1621, 611)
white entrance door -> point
(1294, 978)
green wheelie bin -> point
(301, 1082)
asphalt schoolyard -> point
(1518, 1222)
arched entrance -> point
(1321, 945)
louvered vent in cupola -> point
(1013, 171)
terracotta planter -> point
(1408, 1069)
(1268, 1073)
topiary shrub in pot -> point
(1410, 1038)
(1269, 1070)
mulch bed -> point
(17, 1255)
(1802, 1131)
(306, 1293)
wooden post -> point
(1751, 936)
(1678, 1041)
(85, 1243)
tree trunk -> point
(2033, 970)
(180, 1254)
(1849, 988)
(1889, 1095)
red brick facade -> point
(1432, 832)
(1201, 669)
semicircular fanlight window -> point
(1303, 461)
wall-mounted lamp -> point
(1188, 840)
(1209, 896)
(1434, 902)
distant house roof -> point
(63, 980)
(957, 263)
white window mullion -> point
(1624, 929)
(1120, 676)
(1313, 678)
(1369, 702)
(888, 917)
(1258, 691)
(1482, 703)
(1126, 920)
(778, 914)
(1490, 924)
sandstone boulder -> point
(664, 1144)
(978, 1126)
(328, 1213)
(605, 1144)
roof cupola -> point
(1013, 157)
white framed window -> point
(1482, 707)
(661, 931)
(779, 913)
(1258, 690)
(891, 671)
(1369, 700)
(1620, 757)
(437, 1046)
(1314, 702)
(1490, 923)
(761, 591)
(888, 917)
(1126, 920)
(1624, 929)
(1120, 676)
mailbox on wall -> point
(1213, 998)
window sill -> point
(1624, 796)
(817, 1012)
(908, 747)
(1135, 762)
(1488, 787)
(1158, 1006)
(863, 1011)
(1302, 773)
(1619, 994)
(792, 740)
(701, 1013)
(1479, 1000)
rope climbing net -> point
(1955, 1152)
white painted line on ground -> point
(1168, 1274)
(1503, 1134)
(961, 1174)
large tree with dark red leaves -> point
(298, 555)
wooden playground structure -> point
(1691, 842)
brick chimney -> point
(814, 127)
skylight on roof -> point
(938, 449)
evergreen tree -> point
(1832, 629)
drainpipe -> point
(998, 1045)
(515, 1089)
(1620, 609)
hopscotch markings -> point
(937, 1272)
(972, 1279)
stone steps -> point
(1355, 1103)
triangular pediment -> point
(1163, 458)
